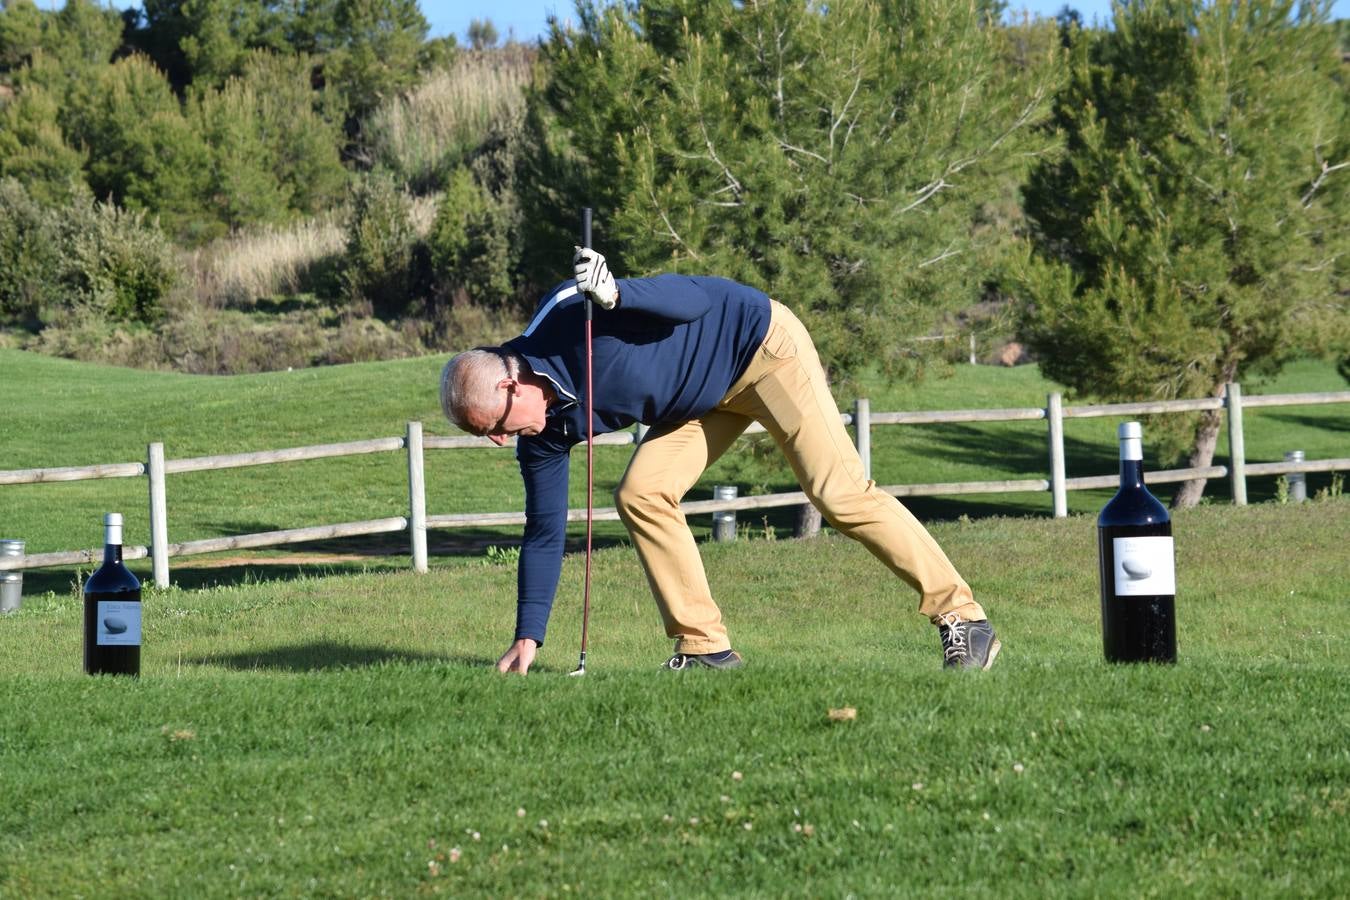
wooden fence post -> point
(417, 498)
(159, 515)
(1236, 446)
(862, 424)
(1055, 413)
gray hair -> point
(469, 381)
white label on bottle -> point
(1144, 566)
(119, 623)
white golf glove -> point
(594, 277)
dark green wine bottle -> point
(1137, 569)
(112, 610)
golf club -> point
(590, 456)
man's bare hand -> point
(519, 657)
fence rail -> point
(292, 454)
(417, 521)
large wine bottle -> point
(112, 610)
(1138, 575)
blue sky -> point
(528, 18)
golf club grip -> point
(586, 242)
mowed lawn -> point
(64, 413)
(345, 736)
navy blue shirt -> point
(667, 354)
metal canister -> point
(11, 581)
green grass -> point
(63, 413)
(338, 735)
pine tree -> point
(33, 150)
(831, 154)
(378, 54)
(1190, 234)
(143, 153)
(243, 185)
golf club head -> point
(580, 671)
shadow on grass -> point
(320, 656)
(296, 562)
(1327, 422)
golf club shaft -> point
(590, 453)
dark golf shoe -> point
(967, 645)
(726, 659)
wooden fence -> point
(417, 521)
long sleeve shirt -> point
(667, 354)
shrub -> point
(114, 263)
(224, 342)
(30, 257)
(471, 245)
(85, 255)
(86, 334)
(383, 250)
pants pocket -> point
(778, 344)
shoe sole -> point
(993, 652)
(730, 664)
(696, 663)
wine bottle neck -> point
(1131, 473)
(112, 540)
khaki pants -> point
(785, 390)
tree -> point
(84, 31)
(301, 126)
(33, 150)
(473, 243)
(243, 187)
(272, 149)
(20, 33)
(378, 52)
(143, 153)
(482, 34)
(830, 154)
(201, 43)
(1193, 233)
(67, 45)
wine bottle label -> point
(119, 624)
(1144, 566)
